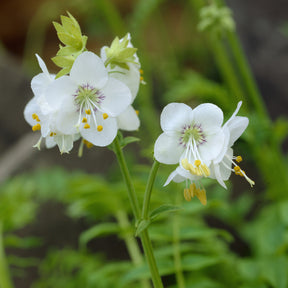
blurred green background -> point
(64, 220)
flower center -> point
(194, 132)
(88, 100)
(87, 95)
(191, 137)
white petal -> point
(131, 78)
(43, 66)
(117, 97)
(128, 120)
(167, 149)
(64, 142)
(209, 116)
(212, 147)
(226, 172)
(88, 68)
(225, 146)
(237, 126)
(216, 174)
(175, 177)
(235, 112)
(39, 84)
(67, 117)
(104, 137)
(49, 142)
(103, 53)
(174, 116)
(60, 89)
(30, 108)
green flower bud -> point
(119, 54)
(216, 20)
(69, 33)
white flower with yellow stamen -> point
(128, 120)
(221, 167)
(88, 100)
(192, 138)
(40, 115)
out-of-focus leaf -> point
(99, 230)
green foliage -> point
(119, 54)
(69, 33)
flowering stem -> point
(148, 191)
(146, 243)
(131, 243)
(176, 247)
(5, 280)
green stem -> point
(5, 279)
(176, 247)
(148, 191)
(146, 243)
(131, 243)
(226, 68)
(245, 72)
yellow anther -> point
(141, 71)
(187, 194)
(137, 112)
(99, 128)
(88, 111)
(237, 169)
(51, 134)
(197, 163)
(201, 195)
(192, 189)
(205, 170)
(88, 144)
(34, 116)
(36, 127)
(105, 115)
(86, 126)
(185, 163)
(141, 78)
(84, 120)
(238, 159)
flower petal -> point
(64, 142)
(174, 116)
(131, 78)
(117, 97)
(104, 137)
(60, 89)
(212, 147)
(209, 116)
(88, 68)
(49, 142)
(174, 176)
(39, 84)
(30, 108)
(128, 120)
(43, 66)
(237, 126)
(167, 150)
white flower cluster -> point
(197, 140)
(92, 102)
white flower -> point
(128, 120)
(217, 166)
(40, 115)
(88, 100)
(221, 166)
(192, 138)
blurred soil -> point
(259, 24)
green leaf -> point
(63, 61)
(98, 230)
(127, 140)
(166, 208)
(142, 225)
(197, 262)
(20, 242)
